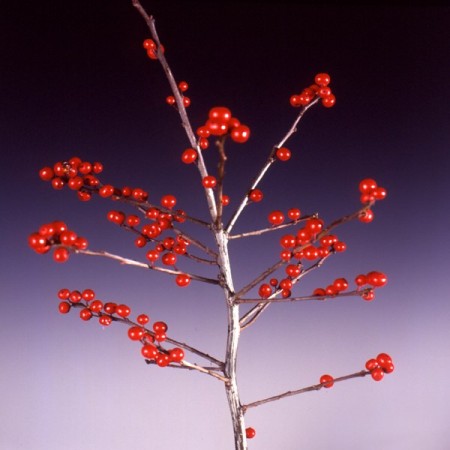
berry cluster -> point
(379, 366)
(339, 285)
(320, 89)
(56, 234)
(375, 279)
(109, 312)
(81, 176)
(152, 48)
(370, 192)
(220, 122)
(183, 86)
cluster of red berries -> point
(110, 311)
(220, 122)
(284, 285)
(379, 366)
(183, 86)
(370, 192)
(339, 285)
(56, 234)
(80, 176)
(320, 88)
(152, 48)
(375, 279)
(376, 366)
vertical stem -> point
(234, 330)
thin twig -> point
(150, 21)
(270, 160)
(132, 262)
(314, 387)
(220, 177)
(298, 299)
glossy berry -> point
(340, 284)
(366, 216)
(160, 327)
(135, 333)
(265, 291)
(329, 101)
(377, 374)
(46, 173)
(327, 381)
(149, 351)
(88, 295)
(168, 201)
(250, 433)
(283, 154)
(361, 280)
(209, 182)
(162, 359)
(322, 79)
(225, 200)
(105, 320)
(371, 364)
(170, 100)
(182, 280)
(255, 195)
(64, 307)
(376, 279)
(368, 295)
(367, 186)
(183, 86)
(123, 310)
(176, 354)
(219, 114)
(85, 314)
(276, 217)
(240, 134)
(189, 156)
(61, 254)
(294, 214)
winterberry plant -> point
(157, 226)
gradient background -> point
(76, 81)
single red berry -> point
(168, 201)
(160, 327)
(285, 255)
(88, 295)
(376, 279)
(104, 320)
(209, 182)
(186, 101)
(322, 79)
(149, 351)
(183, 86)
(368, 295)
(149, 44)
(183, 280)
(384, 360)
(46, 173)
(123, 310)
(371, 364)
(327, 381)
(311, 252)
(170, 100)
(329, 101)
(255, 195)
(189, 156)
(225, 200)
(203, 143)
(63, 294)
(340, 284)
(169, 259)
(250, 433)
(276, 217)
(110, 307)
(294, 214)
(162, 359)
(161, 336)
(324, 91)
(288, 241)
(367, 186)
(220, 114)
(85, 314)
(68, 238)
(361, 280)
(64, 307)
(203, 131)
(132, 221)
(240, 134)
(96, 306)
(142, 319)
(265, 291)
(273, 282)
(286, 284)
(319, 292)
(314, 226)
(293, 270)
(176, 354)
(377, 374)
(61, 254)
(135, 333)
(340, 246)
(379, 193)
(106, 191)
(283, 154)
(295, 101)
(366, 216)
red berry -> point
(255, 195)
(162, 360)
(63, 294)
(142, 319)
(149, 351)
(320, 292)
(293, 270)
(376, 279)
(61, 254)
(371, 364)
(225, 200)
(88, 295)
(295, 101)
(85, 314)
(294, 214)
(105, 320)
(329, 101)
(161, 336)
(340, 246)
(135, 333)
(377, 374)
(46, 173)
(203, 143)
(110, 307)
(149, 44)
(384, 360)
(183, 86)
(360, 280)
(209, 182)
(288, 241)
(96, 306)
(368, 295)
(186, 101)
(183, 280)
(379, 193)
(283, 154)
(203, 131)
(340, 284)
(189, 156)
(168, 201)
(367, 186)
(64, 307)
(160, 327)
(314, 226)
(176, 354)
(276, 217)
(322, 79)
(265, 291)
(170, 100)
(327, 381)
(220, 114)
(240, 134)
(250, 433)
(123, 310)
(366, 216)
(169, 259)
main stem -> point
(234, 329)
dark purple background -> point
(76, 81)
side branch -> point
(264, 301)
(270, 160)
(132, 262)
(314, 387)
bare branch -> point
(269, 229)
(299, 299)
(314, 387)
(150, 21)
(270, 160)
(132, 262)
